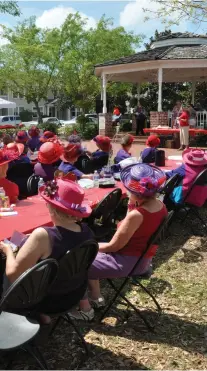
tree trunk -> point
(39, 115)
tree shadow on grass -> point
(170, 329)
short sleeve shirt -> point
(66, 167)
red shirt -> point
(185, 116)
(139, 240)
(11, 189)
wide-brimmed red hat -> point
(104, 143)
(71, 151)
(66, 196)
(22, 137)
(153, 141)
(33, 132)
(7, 156)
(47, 135)
(16, 147)
(50, 152)
(127, 140)
(195, 157)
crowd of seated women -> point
(68, 209)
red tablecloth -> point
(33, 213)
(169, 131)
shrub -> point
(69, 129)
(90, 131)
(82, 121)
(25, 115)
(50, 126)
(126, 126)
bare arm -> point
(123, 234)
(35, 248)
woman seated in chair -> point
(124, 153)
(65, 202)
(47, 135)
(34, 141)
(69, 157)
(148, 154)
(22, 156)
(194, 162)
(22, 137)
(100, 157)
(10, 188)
(117, 258)
(48, 155)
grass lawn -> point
(122, 341)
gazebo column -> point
(159, 118)
(138, 92)
(105, 119)
(193, 92)
(160, 78)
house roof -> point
(163, 53)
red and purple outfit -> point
(120, 264)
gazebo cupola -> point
(179, 57)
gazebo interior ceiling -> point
(169, 75)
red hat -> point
(195, 157)
(7, 155)
(49, 152)
(33, 132)
(66, 196)
(116, 111)
(153, 141)
(22, 137)
(16, 147)
(104, 143)
(47, 135)
(71, 151)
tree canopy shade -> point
(176, 11)
(10, 7)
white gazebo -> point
(175, 58)
(6, 104)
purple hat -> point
(142, 179)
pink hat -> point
(18, 148)
(7, 156)
(66, 196)
(195, 157)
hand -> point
(4, 247)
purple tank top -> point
(63, 240)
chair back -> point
(73, 267)
(32, 185)
(30, 288)
(24, 170)
(169, 186)
(106, 207)
(158, 235)
(201, 180)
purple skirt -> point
(114, 265)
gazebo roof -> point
(183, 57)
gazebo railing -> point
(201, 119)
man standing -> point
(140, 119)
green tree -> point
(95, 46)
(176, 11)
(29, 61)
(10, 7)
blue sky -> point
(125, 13)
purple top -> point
(45, 171)
(121, 155)
(66, 167)
(34, 144)
(99, 153)
(148, 155)
(23, 159)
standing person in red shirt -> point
(184, 129)
(10, 188)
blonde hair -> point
(63, 217)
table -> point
(192, 132)
(33, 212)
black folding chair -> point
(70, 285)
(154, 239)
(32, 185)
(17, 331)
(201, 180)
(19, 174)
(169, 186)
(101, 220)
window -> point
(11, 118)
(21, 109)
(6, 118)
(15, 95)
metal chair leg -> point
(85, 345)
(37, 355)
(138, 283)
